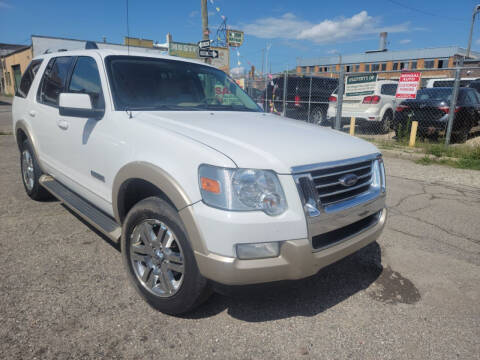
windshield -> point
(435, 94)
(142, 83)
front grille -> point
(332, 237)
(329, 188)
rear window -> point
(450, 83)
(389, 89)
(435, 94)
(27, 78)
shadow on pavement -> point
(307, 297)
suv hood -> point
(261, 141)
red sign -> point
(408, 85)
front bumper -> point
(297, 259)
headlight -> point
(241, 189)
(378, 178)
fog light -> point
(258, 250)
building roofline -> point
(17, 51)
(442, 51)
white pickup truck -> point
(172, 159)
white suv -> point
(374, 109)
(174, 160)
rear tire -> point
(461, 136)
(31, 173)
(159, 259)
(387, 122)
(318, 117)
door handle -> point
(62, 124)
(32, 113)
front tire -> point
(31, 173)
(159, 259)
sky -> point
(289, 29)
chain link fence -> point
(446, 108)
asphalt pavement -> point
(413, 295)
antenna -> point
(128, 32)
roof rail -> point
(91, 45)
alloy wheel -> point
(157, 258)
(28, 171)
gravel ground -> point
(413, 295)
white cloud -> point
(237, 71)
(333, 51)
(289, 26)
(5, 5)
(405, 41)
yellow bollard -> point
(352, 125)
(413, 134)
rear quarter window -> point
(27, 78)
(388, 89)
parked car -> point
(306, 99)
(431, 109)
(172, 159)
(447, 82)
(475, 85)
(374, 109)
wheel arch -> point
(139, 180)
(22, 133)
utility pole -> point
(205, 31)
(476, 10)
(263, 59)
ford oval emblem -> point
(348, 180)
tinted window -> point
(389, 89)
(470, 97)
(435, 94)
(86, 79)
(27, 78)
(54, 80)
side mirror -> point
(78, 105)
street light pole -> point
(476, 10)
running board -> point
(84, 209)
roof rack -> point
(91, 45)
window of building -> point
(53, 81)
(357, 67)
(402, 65)
(367, 67)
(86, 80)
(413, 65)
(384, 66)
(395, 66)
(429, 64)
(442, 63)
(347, 68)
(375, 67)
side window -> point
(27, 78)
(471, 98)
(389, 89)
(54, 79)
(86, 79)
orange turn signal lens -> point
(210, 185)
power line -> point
(398, 3)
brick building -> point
(431, 62)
